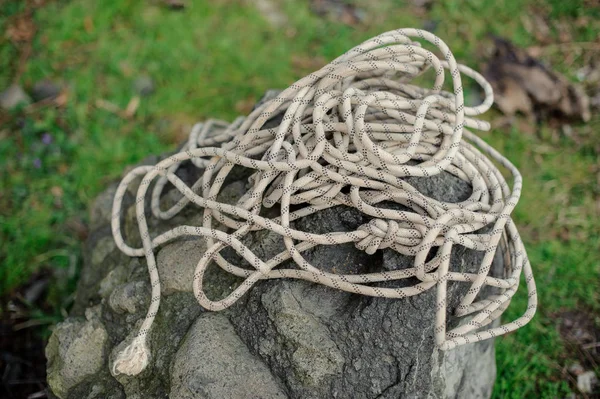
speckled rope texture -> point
(350, 134)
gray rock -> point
(101, 209)
(143, 85)
(13, 97)
(213, 363)
(176, 263)
(76, 350)
(114, 278)
(45, 89)
(315, 357)
(283, 339)
(104, 247)
(465, 382)
(587, 381)
(129, 297)
(386, 346)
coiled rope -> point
(350, 135)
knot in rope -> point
(381, 234)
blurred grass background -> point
(216, 59)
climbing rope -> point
(349, 135)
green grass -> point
(558, 220)
(214, 59)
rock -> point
(176, 264)
(103, 249)
(586, 382)
(45, 89)
(316, 356)
(214, 363)
(129, 297)
(76, 350)
(13, 97)
(459, 381)
(143, 85)
(101, 209)
(333, 344)
(283, 339)
(114, 278)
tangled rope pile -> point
(350, 135)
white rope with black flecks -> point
(350, 134)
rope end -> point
(133, 359)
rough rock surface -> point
(12, 97)
(194, 377)
(284, 339)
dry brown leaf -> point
(62, 98)
(127, 113)
(126, 68)
(537, 26)
(303, 64)
(244, 106)
(132, 107)
(88, 24)
(77, 226)
(57, 191)
(21, 29)
(523, 84)
(108, 106)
